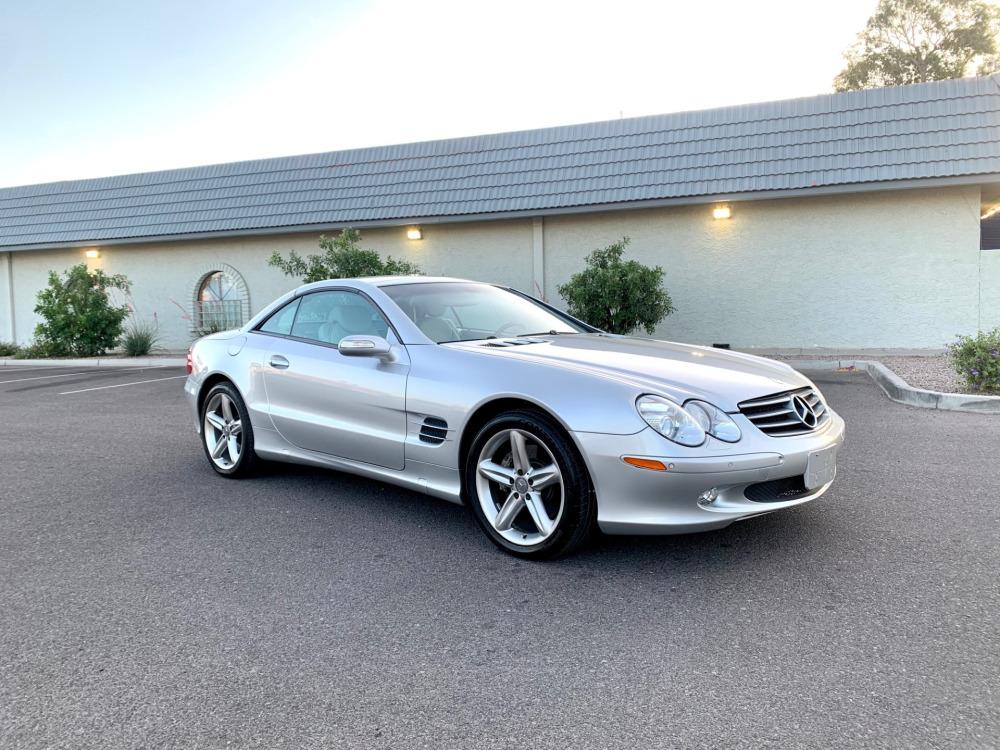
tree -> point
(80, 319)
(616, 295)
(342, 258)
(911, 41)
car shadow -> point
(777, 540)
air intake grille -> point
(777, 490)
(786, 414)
(502, 343)
(433, 431)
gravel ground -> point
(931, 372)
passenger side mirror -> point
(364, 346)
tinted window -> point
(281, 321)
(329, 316)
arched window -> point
(220, 302)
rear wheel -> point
(227, 435)
(528, 487)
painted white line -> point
(6, 370)
(121, 385)
(70, 374)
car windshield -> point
(455, 311)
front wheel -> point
(226, 432)
(528, 488)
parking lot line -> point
(82, 372)
(121, 385)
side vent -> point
(433, 431)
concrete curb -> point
(899, 390)
(97, 362)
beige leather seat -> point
(349, 320)
(431, 320)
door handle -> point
(278, 362)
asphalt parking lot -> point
(146, 602)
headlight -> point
(670, 420)
(713, 420)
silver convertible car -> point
(545, 427)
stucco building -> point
(855, 220)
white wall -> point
(164, 275)
(893, 269)
(884, 269)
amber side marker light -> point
(645, 463)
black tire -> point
(247, 463)
(579, 515)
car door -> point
(320, 400)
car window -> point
(463, 311)
(281, 321)
(327, 317)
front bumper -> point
(633, 500)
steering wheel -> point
(499, 331)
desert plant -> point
(342, 258)
(140, 337)
(79, 318)
(617, 295)
(976, 359)
(8, 349)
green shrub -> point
(976, 359)
(140, 338)
(616, 295)
(80, 319)
(39, 350)
(342, 258)
(8, 349)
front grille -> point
(777, 490)
(786, 414)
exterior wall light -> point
(93, 254)
(722, 212)
(414, 233)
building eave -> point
(824, 190)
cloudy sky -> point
(117, 86)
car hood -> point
(680, 371)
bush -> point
(38, 350)
(342, 258)
(616, 295)
(976, 359)
(80, 319)
(8, 349)
(140, 338)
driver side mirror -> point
(364, 346)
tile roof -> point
(944, 129)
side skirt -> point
(430, 479)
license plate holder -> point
(821, 467)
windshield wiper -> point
(548, 333)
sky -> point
(107, 87)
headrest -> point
(356, 319)
(430, 308)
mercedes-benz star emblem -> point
(804, 411)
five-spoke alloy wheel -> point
(226, 432)
(527, 486)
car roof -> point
(367, 282)
(392, 280)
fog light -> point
(708, 497)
